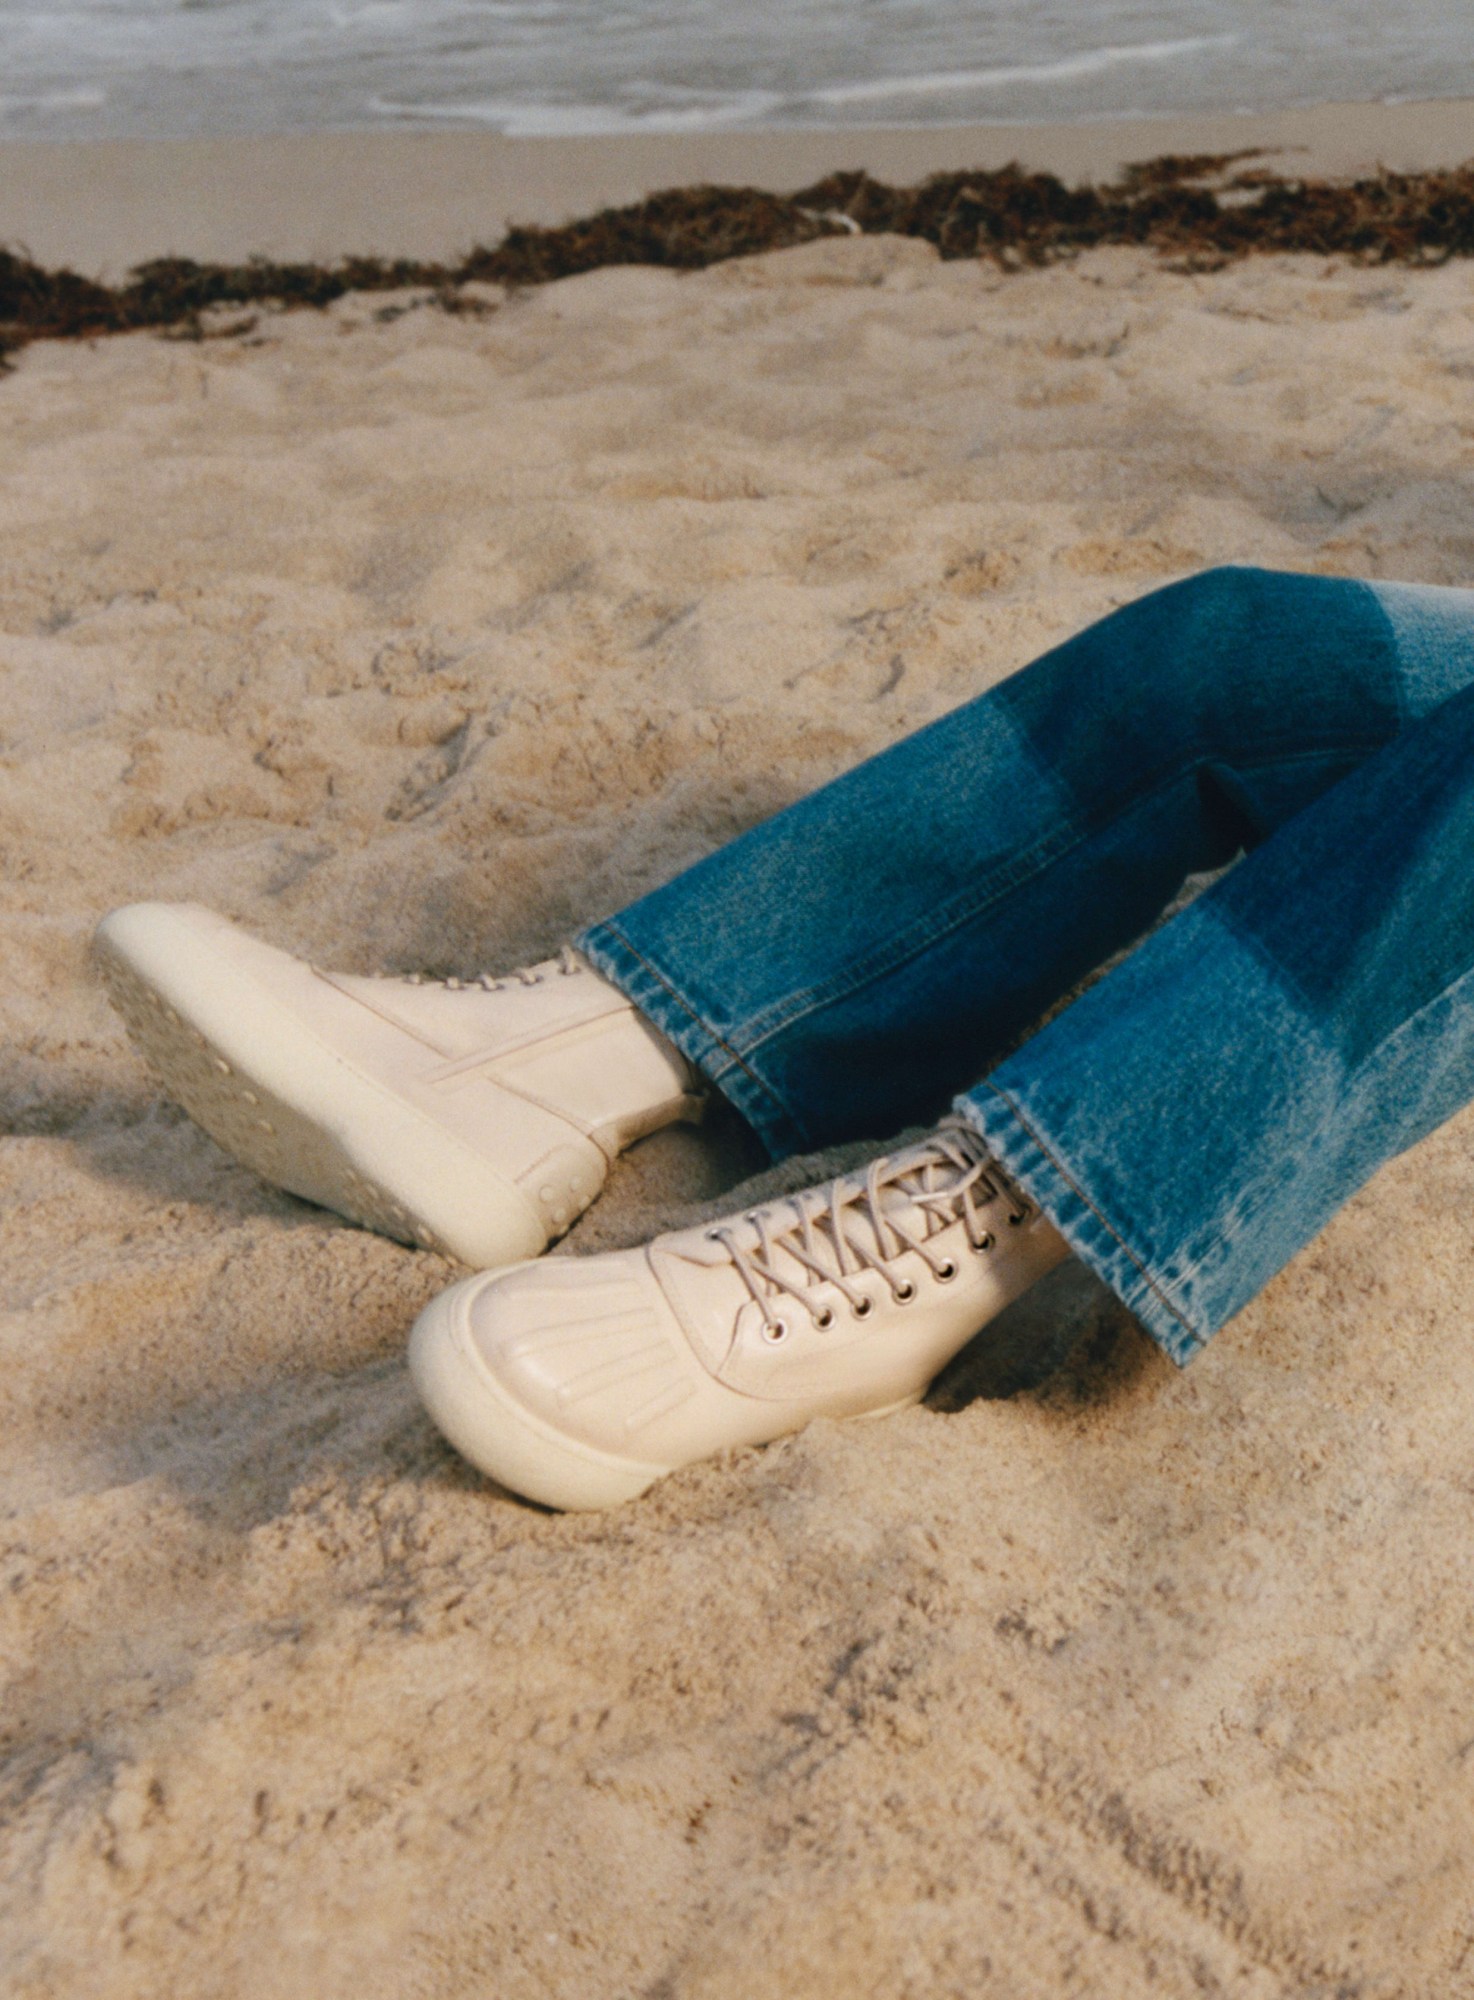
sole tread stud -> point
(289, 1085)
(283, 1147)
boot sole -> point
(488, 1426)
(282, 1101)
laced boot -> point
(580, 1381)
(477, 1118)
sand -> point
(412, 641)
(105, 206)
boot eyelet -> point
(947, 1272)
(864, 1309)
(905, 1292)
(825, 1319)
(1015, 1220)
(987, 1240)
(775, 1332)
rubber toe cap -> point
(473, 1359)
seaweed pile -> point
(1193, 209)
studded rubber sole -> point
(280, 1101)
(244, 1115)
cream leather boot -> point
(479, 1119)
(580, 1381)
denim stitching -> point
(1262, 1190)
(1105, 1222)
(1399, 673)
(761, 1083)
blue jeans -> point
(1200, 1111)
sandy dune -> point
(412, 641)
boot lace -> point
(835, 1233)
(564, 966)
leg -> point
(837, 970)
(1187, 1125)
(832, 971)
(1199, 1114)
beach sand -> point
(412, 641)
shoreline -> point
(102, 207)
(1201, 211)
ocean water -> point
(74, 69)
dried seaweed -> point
(1190, 208)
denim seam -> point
(1265, 1189)
(1399, 677)
(1196, 1258)
(1259, 951)
(760, 1083)
(1251, 1198)
(1104, 1220)
(1020, 872)
(1410, 1020)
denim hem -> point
(1058, 1191)
(611, 953)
